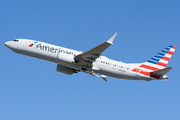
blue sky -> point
(32, 89)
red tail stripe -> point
(170, 52)
(161, 64)
(174, 47)
(166, 58)
(148, 67)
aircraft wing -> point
(92, 54)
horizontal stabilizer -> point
(165, 80)
(162, 71)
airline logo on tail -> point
(157, 62)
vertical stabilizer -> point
(159, 61)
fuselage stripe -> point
(145, 73)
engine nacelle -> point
(65, 58)
(65, 70)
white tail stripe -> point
(153, 65)
(164, 61)
(167, 55)
(145, 69)
(172, 50)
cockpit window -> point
(15, 40)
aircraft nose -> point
(7, 44)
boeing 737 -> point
(71, 61)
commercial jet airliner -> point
(71, 61)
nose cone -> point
(7, 44)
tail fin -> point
(159, 61)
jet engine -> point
(65, 58)
(65, 70)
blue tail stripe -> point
(161, 54)
(150, 61)
(156, 59)
(163, 51)
(167, 48)
(157, 56)
(171, 46)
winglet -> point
(112, 38)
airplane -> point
(91, 62)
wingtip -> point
(112, 38)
